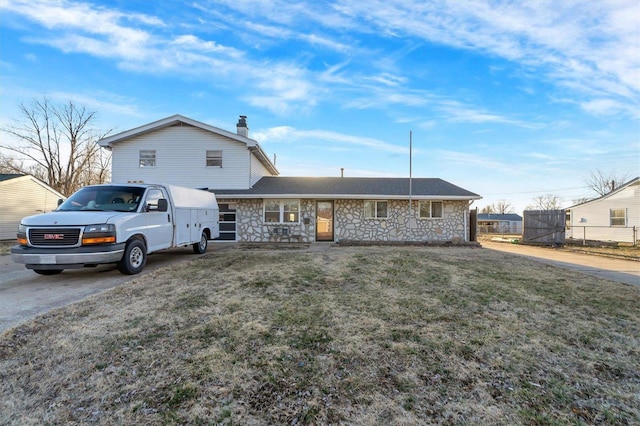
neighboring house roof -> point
(8, 176)
(511, 217)
(252, 144)
(352, 187)
(634, 181)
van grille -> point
(54, 237)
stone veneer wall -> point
(250, 225)
(350, 224)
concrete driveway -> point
(623, 271)
(25, 294)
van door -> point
(159, 230)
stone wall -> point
(350, 224)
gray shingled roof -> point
(352, 187)
(8, 176)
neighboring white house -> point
(256, 205)
(613, 217)
(23, 195)
(505, 223)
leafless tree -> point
(58, 145)
(499, 207)
(546, 202)
(503, 207)
(488, 209)
(603, 183)
(580, 200)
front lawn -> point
(356, 335)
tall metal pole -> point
(410, 184)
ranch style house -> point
(258, 205)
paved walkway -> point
(623, 271)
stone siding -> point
(350, 223)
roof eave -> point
(170, 121)
(353, 196)
(257, 150)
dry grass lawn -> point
(357, 335)
(5, 247)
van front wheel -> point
(201, 246)
(134, 258)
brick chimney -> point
(243, 129)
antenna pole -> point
(410, 184)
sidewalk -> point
(623, 271)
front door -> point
(324, 221)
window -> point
(618, 217)
(282, 211)
(375, 209)
(430, 209)
(147, 158)
(152, 199)
(214, 158)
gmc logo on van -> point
(54, 236)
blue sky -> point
(510, 100)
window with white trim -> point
(430, 209)
(147, 158)
(375, 209)
(618, 217)
(282, 211)
(214, 158)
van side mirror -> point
(163, 205)
(60, 201)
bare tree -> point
(580, 200)
(499, 207)
(488, 209)
(503, 207)
(58, 145)
(546, 202)
(603, 183)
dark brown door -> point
(324, 220)
(473, 224)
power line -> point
(540, 191)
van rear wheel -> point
(134, 258)
(201, 246)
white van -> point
(119, 224)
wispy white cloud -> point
(288, 134)
(457, 112)
(589, 50)
(97, 31)
(592, 46)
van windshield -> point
(104, 198)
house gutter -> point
(350, 196)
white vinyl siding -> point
(610, 218)
(258, 170)
(21, 197)
(179, 151)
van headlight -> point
(104, 233)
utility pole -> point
(410, 184)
